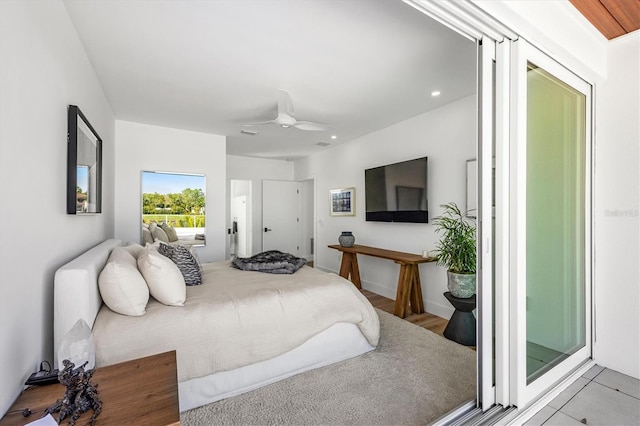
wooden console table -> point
(409, 287)
(141, 391)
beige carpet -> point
(412, 378)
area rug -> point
(413, 377)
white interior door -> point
(280, 208)
(551, 223)
(307, 219)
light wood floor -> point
(425, 320)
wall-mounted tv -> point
(397, 192)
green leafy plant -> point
(457, 248)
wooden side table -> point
(141, 391)
(409, 287)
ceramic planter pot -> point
(461, 285)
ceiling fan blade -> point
(260, 123)
(285, 105)
(309, 125)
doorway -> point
(240, 231)
(535, 246)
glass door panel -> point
(555, 227)
(550, 278)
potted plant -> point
(457, 250)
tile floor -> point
(600, 397)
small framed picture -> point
(343, 202)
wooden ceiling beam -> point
(599, 16)
(626, 12)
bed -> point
(236, 332)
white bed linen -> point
(339, 342)
(234, 319)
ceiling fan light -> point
(284, 126)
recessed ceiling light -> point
(334, 137)
(435, 93)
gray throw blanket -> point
(272, 261)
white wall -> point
(143, 147)
(448, 137)
(43, 69)
(617, 207)
(255, 170)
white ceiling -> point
(209, 66)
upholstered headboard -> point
(76, 294)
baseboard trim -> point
(438, 309)
(429, 306)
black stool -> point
(462, 325)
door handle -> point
(267, 229)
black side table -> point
(462, 325)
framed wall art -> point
(342, 202)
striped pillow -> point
(185, 261)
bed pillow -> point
(158, 234)
(185, 261)
(172, 235)
(122, 287)
(194, 253)
(146, 236)
(165, 281)
(134, 248)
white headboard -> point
(75, 293)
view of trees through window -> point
(176, 199)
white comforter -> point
(235, 318)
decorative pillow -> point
(122, 287)
(194, 253)
(146, 236)
(158, 234)
(185, 261)
(134, 249)
(163, 277)
(172, 235)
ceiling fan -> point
(286, 116)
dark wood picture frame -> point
(84, 158)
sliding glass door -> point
(550, 280)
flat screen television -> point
(397, 192)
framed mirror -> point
(174, 203)
(84, 165)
